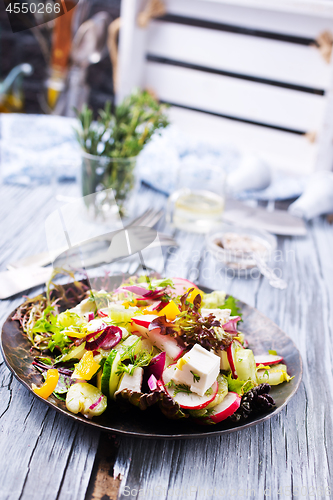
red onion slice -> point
(93, 334)
(96, 404)
(109, 338)
(152, 383)
(231, 326)
(144, 293)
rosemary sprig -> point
(118, 133)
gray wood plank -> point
(290, 452)
(282, 455)
(43, 453)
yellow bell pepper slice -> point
(75, 334)
(193, 294)
(86, 368)
(52, 377)
(170, 311)
(130, 303)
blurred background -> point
(244, 86)
(34, 46)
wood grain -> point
(233, 97)
(103, 485)
(51, 457)
(279, 456)
(42, 454)
(240, 54)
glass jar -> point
(101, 173)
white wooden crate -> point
(247, 72)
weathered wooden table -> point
(47, 456)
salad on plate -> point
(150, 342)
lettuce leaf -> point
(231, 303)
(239, 386)
(47, 323)
(213, 300)
(60, 340)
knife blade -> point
(277, 222)
(95, 252)
(18, 280)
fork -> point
(149, 218)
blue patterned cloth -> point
(37, 149)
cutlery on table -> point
(149, 218)
(101, 250)
(276, 222)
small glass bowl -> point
(240, 261)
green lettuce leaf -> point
(60, 340)
(47, 323)
(239, 386)
(213, 300)
(231, 303)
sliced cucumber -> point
(109, 379)
(120, 315)
(276, 375)
(245, 364)
(132, 339)
(75, 353)
(146, 345)
(114, 378)
(99, 380)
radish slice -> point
(101, 313)
(156, 306)
(163, 342)
(181, 286)
(267, 359)
(227, 407)
(144, 322)
(231, 352)
(190, 401)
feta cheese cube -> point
(198, 368)
(222, 315)
(131, 382)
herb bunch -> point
(123, 131)
(116, 138)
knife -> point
(277, 222)
(92, 253)
(18, 280)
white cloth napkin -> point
(317, 198)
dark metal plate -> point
(262, 335)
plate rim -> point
(199, 435)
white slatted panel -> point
(283, 151)
(256, 18)
(234, 97)
(246, 55)
(310, 7)
(132, 49)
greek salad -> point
(150, 342)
